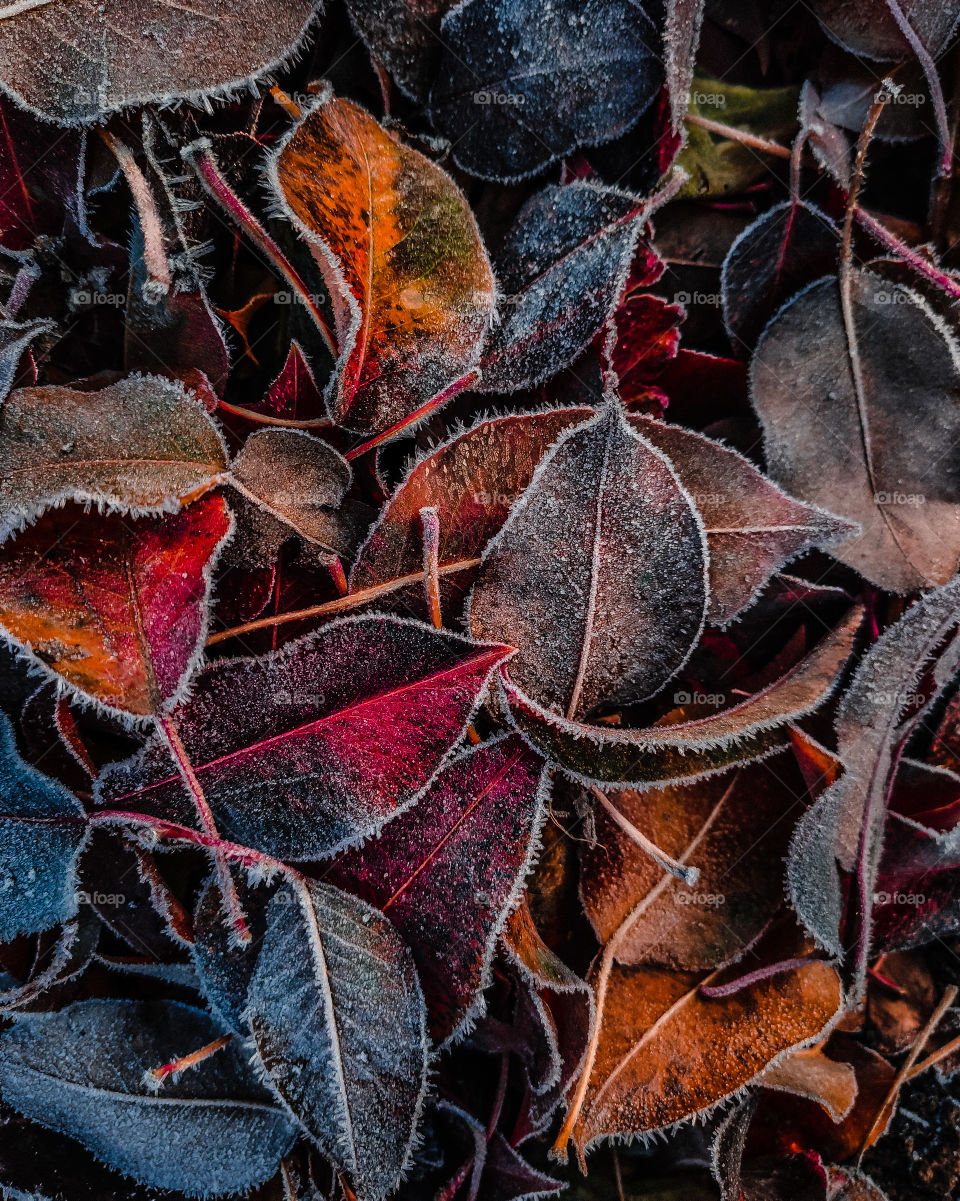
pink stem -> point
(441, 398)
(200, 157)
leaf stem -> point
(689, 875)
(352, 601)
(154, 1077)
(264, 419)
(739, 135)
(435, 402)
(199, 156)
(228, 891)
(933, 81)
(431, 562)
(157, 284)
(919, 264)
(245, 856)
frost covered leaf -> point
(873, 446)
(681, 37)
(519, 85)
(471, 481)
(76, 63)
(294, 483)
(666, 753)
(868, 28)
(752, 527)
(115, 606)
(447, 871)
(403, 34)
(562, 269)
(142, 444)
(658, 1026)
(42, 828)
(400, 251)
(214, 1131)
(785, 249)
(733, 828)
(845, 826)
(343, 1041)
(598, 575)
(313, 747)
(15, 337)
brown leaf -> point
(876, 442)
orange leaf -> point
(400, 251)
(115, 607)
(667, 1052)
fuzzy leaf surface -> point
(80, 1072)
(313, 747)
(606, 553)
(400, 250)
(344, 1042)
(448, 871)
(114, 606)
(143, 445)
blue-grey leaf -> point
(41, 830)
(339, 1022)
(562, 269)
(521, 84)
(216, 1130)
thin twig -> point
(431, 563)
(343, 603)
(948, 998)
(689, 875)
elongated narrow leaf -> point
(407, 271)
(448, 871)
(116, 607)
(76, 63)
(563, 267)
(663, 754)
(844, 828)
(658, 1026)
(599, 573)
(311, 748)
(343, 1040)
(519, 86)
(844, 438)
(143, 445)
(214, 1131)
(41, 831)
